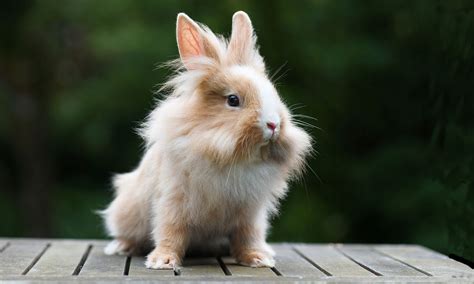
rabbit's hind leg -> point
(119, 246)
(126, 218)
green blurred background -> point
(390, 82)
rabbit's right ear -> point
(243, 40)
(192, 42)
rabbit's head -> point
(235, 113)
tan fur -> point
(210, 172)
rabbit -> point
(220, 149)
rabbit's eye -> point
(233, 100)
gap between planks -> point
(3, 246)
(358, 263)
(36, 259)
(403, 262)
(126, 269)
(324, 271)
(83, 260)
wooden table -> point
(78, 261)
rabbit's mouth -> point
(271, 136)
(275, 135)
(271, 140)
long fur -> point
(209, 174)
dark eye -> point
(233, 100)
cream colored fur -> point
(210, 172)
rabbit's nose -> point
(271, 125)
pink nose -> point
(271, 125)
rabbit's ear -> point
(192, 42)
(242, 40)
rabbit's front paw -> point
(159, 259)
(255, 258)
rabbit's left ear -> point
(242, 41)
(192, 42)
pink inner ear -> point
(189, 42)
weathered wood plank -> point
(395, 263)
(427, 260)
(327, 258)
(3, 245)
(16, 258)
(207, 266)
(290, 263)
(60, 259)
(379, 263)
(227, 279)
(238, 270)
(137, 268)
(52, 240)
(98, 264)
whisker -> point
(296, 107)
(281, 76)
(303, 122)
(296, 120)
(315, 174)
(305, 116)
(307, 124)
(306, 191)
(306, 164)
(277, 71)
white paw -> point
(116, 247)
(256, 259)
(158, 260)
(266, 261)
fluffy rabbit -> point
(220, 150)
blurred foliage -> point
(390, 83)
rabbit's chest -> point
(235, 184)
(220, 197)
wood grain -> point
(16, 258)
(137, 268)
(377, 262)
(427, 260)
(329, 259)
(3, 245)
(99, 264)
(201, 267)
(238, 270)
(61, 259)
(290, 263)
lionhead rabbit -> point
(220, 150)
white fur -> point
(271, 104)
(114, 247)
